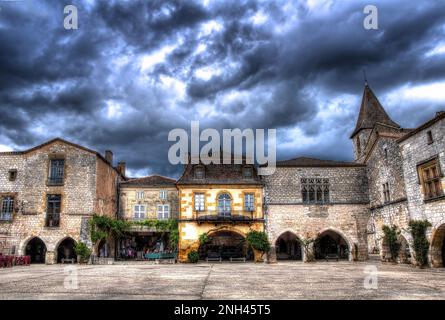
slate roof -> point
(313, 162)
(371, 112)
(150, 181)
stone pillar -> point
(272, 255)
(50, 257)
(309, 253)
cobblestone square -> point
(286, 280)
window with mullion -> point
(249, 200)
(139, 212)
(56, 172)
(7, 208)
(315, 190)
(199, 202)
(53, 210)
(163, 212)
(430, 174)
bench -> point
(332, 256)
(242, 259)
(72, 260)
(215, 259)
(158, 256)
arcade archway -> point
(438, 247)
(331, 244)
(288, 247)
(65, 250)
(36, 249)
(225, 245)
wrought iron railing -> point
(5, 216)
(215, 215)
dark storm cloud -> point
(137, 69)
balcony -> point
(236, 216)
(6, 216)
(52, 220)
(55, 181)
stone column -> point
(309, 253)
(272, 255)
(50, 257)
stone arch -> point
(36, 248)
(288, 247)
(345, 246)
(225, 243)
(437, 247)
(64, 249)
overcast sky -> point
(134, 70)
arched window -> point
(224, 204)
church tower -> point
(371, 113)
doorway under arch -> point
(36, 249)
(65, 250)
(331, 244)
(225, 245)
(438, 247)
(288, 247)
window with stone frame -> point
(386, 193)
(163, 194)
(249, 202)
(199, 172)
(199, 200)
(139, 212)
(247, 172)
(163, 211)
(56, 171)
(430, 176)
(315, 190)
(53, 205)
(12, 174)
(7, 208)
(140, 195)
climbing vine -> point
(420, 242)
(163, 226)
(390, 239)
(102, 227)
(203, 239)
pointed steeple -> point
(371, 112)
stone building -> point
(396, 177)
(223, 201)
(318, 201)
(141, 199)
(48, 194)
(423, 159)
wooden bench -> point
(332, 256)
(72, 260)
(215, 259)
(243, 259)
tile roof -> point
(150, 181)
(313, 162)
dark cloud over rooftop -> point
(134, 70)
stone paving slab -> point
(284, 280)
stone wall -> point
(151, 200)
(86, 183)
(346, 214)
(416, 150)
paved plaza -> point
(284, 280)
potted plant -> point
(82, 251)
(193, 256)
(259, 242)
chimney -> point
(121, 168)
(109, 156)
